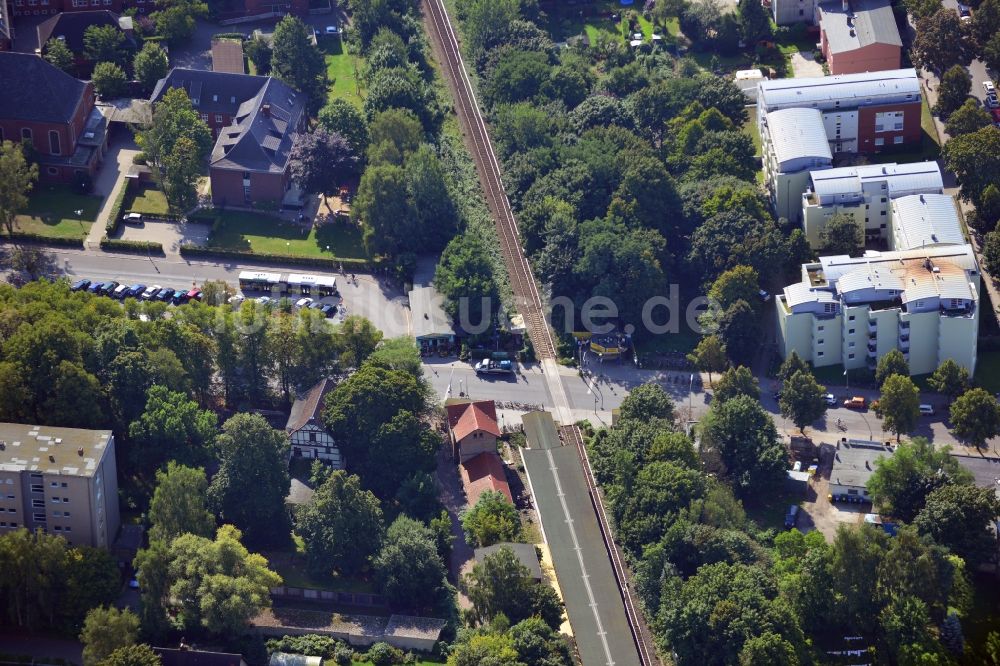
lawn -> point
(256, 232)
(146, 200)
(418, 662)
(988, 371)
(564, 22)
(52, 211)
(342, 69)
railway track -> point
(640, 632)
(527, 299)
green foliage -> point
(252, 482)
(843, 235)
(260, 54)
(968, 118)
(500, 586)
(646, 403)
(754, 22)
(735, 284)
(408, 569)
(106, 629)
(397, 354)
(175, 19)
(58, 54)
(991, 251)
(940, 42)
(341, 117)
(491, 520)
(950, 378)
(975, 416)
(109, 80)
(104, 43)
(891, 363)
(341, 526)
(709, 355)
(735, 382)
(899, 404)
(171, 428)
(802, 399)
(179, 504)
(133, 655)
(747, 442)
(975, 160)
(959, 517)
(313, 645)
(956, 84)
(902, 481)
(297, 62)
(383, 654)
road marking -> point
(579, 556)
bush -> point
(42, 239)
(145, 247)
(349, 264)
(139, 158)
(115, 217)
(312, 645)
(228, 35)
(383, 654)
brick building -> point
(54, 112)
(859, 36)
(70, 29)
(253, 119)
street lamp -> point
(691, 397)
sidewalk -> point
(108, 184)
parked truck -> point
(491, 367)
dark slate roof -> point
(72, 25)
(188, 657)
(260, 138)
(34, 90)
(865, 22)
(211, 92)
(308, 408)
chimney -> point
(266, 110)
(845, 5)
(52, 458)
(79, 452)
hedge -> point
(229, 35)
(111, 226)
(355, 265)
(120, 245)
(42, 239)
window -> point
(65, 485)
(850, 331)
(897, 139)
(35, 475)
(819, 354)
(820, 341)
(850, 345)
(3, 523)
(821, 328)
(852, 491)
(882, 226)
(39, 517)
(13, 524)
(54, 484)
(850, 318)
(37, 504)
(883, 213)
(53, 171)
(10, 497)
(204, 117)
(65, 500)
(1, 135)
(65, 514)
(54, 147)
(879, 141)
(57, 528)
(36, 487)
(67, 529)
(802, 12)
(218, 117)
(55, 500)
(850, 356)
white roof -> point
(869, 276)
(856, 89)
(801, 292)
(260, 276)
(745, 74)
(796, 134)
(429, 318)
(926, 219)
(899, 178)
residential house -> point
(63, 481)
(862, 113)
(55, 113)
(472, 427)
(790, 12)
(865, 193)
(794, 145)
(186, 656)
(253, 119)
(525, 553)
(482, 473)
(851, 311)
(309, 436)
(925, 220)
(70, 28)
(853, 465)
(859, 36)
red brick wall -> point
(68, 133)
(227, 187)
(872, 58)
(911, 131)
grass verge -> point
(52, 212)
(255, 232)
(147, 200)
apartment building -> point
(865, 193)
(859, 36)
(925, 220)
(862, 113)
(60, 480)
(794, 145)
(853, 310)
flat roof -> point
(798, 133)
(857, 89)
(926, 219)
(854, 462)
(861, 24)
(925, 176)
(65, 451)
(429, 318)
(227, 56)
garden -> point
(268, 234)
(147, 200)
(342, 70)
(57, 211)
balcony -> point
(872, 354)
(904, 324)
(904, 346)
(872, 328)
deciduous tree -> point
(891, 363)
(975, 160)
(950, 378)
(297, 62)
(341, 117)
(899, 404)
(408, 568)
(735, 382)
(491, 520)
(954, 89)
(58, 54)
(802, 399)
(747, 441)
(940, 41)
(106, 629)
(133, 655)
(104, 43)
(321, 161)
(843, 235)
(179, 504)
(975, 417)
(109, 80)
(150, 65)
(709, 355)
(968, 118)
(959, 516)
(500, 584)
(901, 482)
(171, 427)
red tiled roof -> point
(484, 472)
(466, 418)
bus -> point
(277, 284)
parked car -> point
(927, 410)
(332, 30)
(830, 399)
(80, 285)
(264, 300)
(304, 302)
(996, 116)
(991, 100)
(491, 367)
(95, 287)
(328, 310)
(132, 218)
(764, 296)
(180, 296)
(194, 295)
(964, 13)
(120, 291)
(857, 402)
(151, 292)
(165, 294)
(136, 290)
(236, 300)
(989, 88)
(791, 517)
(107, 288)
(316, 305)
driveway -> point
(804, 65)
(109, 182)
(168, 234)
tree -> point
(648, 402)
(394, 134)
(959, 516)
(491, 520)
(709, 355)
(747, 441)
(341, 526)
(843, 235)
(133, 655)
(384, 210)
(991, 52)
(500, 584)
(891, 363)
(259, 52)
(791, 365)
(991, 251)
(401, 88)
(171, 427)
(104, 43)
(181, 171)
(250, 487)
(901, 482)
(768, 648)
(487, 23)
(321, 162)
(109, 80)
(735, 382)
(435, 214)
(408, 569)
(899, 404)
(802, 399)
(341, 117)
(174, 118)
(755, 24)
(58, 54)
(988, 208)
(737, 283)
(921, 8)
(537, 643)
(950, 379)
(175, 19)
(297, 62)
(739, 329)
(975, 160)
(357, 338)
(179, 504)
(105, 630)
(397, 354)
(17, 177)
(940, 42)
(975, 416)
(204, 584)
(954, 89)
(150, 65)
(968, 118)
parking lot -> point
(817, 511)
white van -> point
(927, 410)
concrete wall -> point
(786, 190)
(957, 340)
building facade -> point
(862, 113)
(473, 428)
(793, 145)
(790, 12)
(864, 193)
(853, 465)
(53, 111)
(63, 481)
(859, 36)
(309, 436)
(852, 311)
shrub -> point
(115, 217)
(349, 264)
(383, 654)
(42, 239)
(119, 245)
